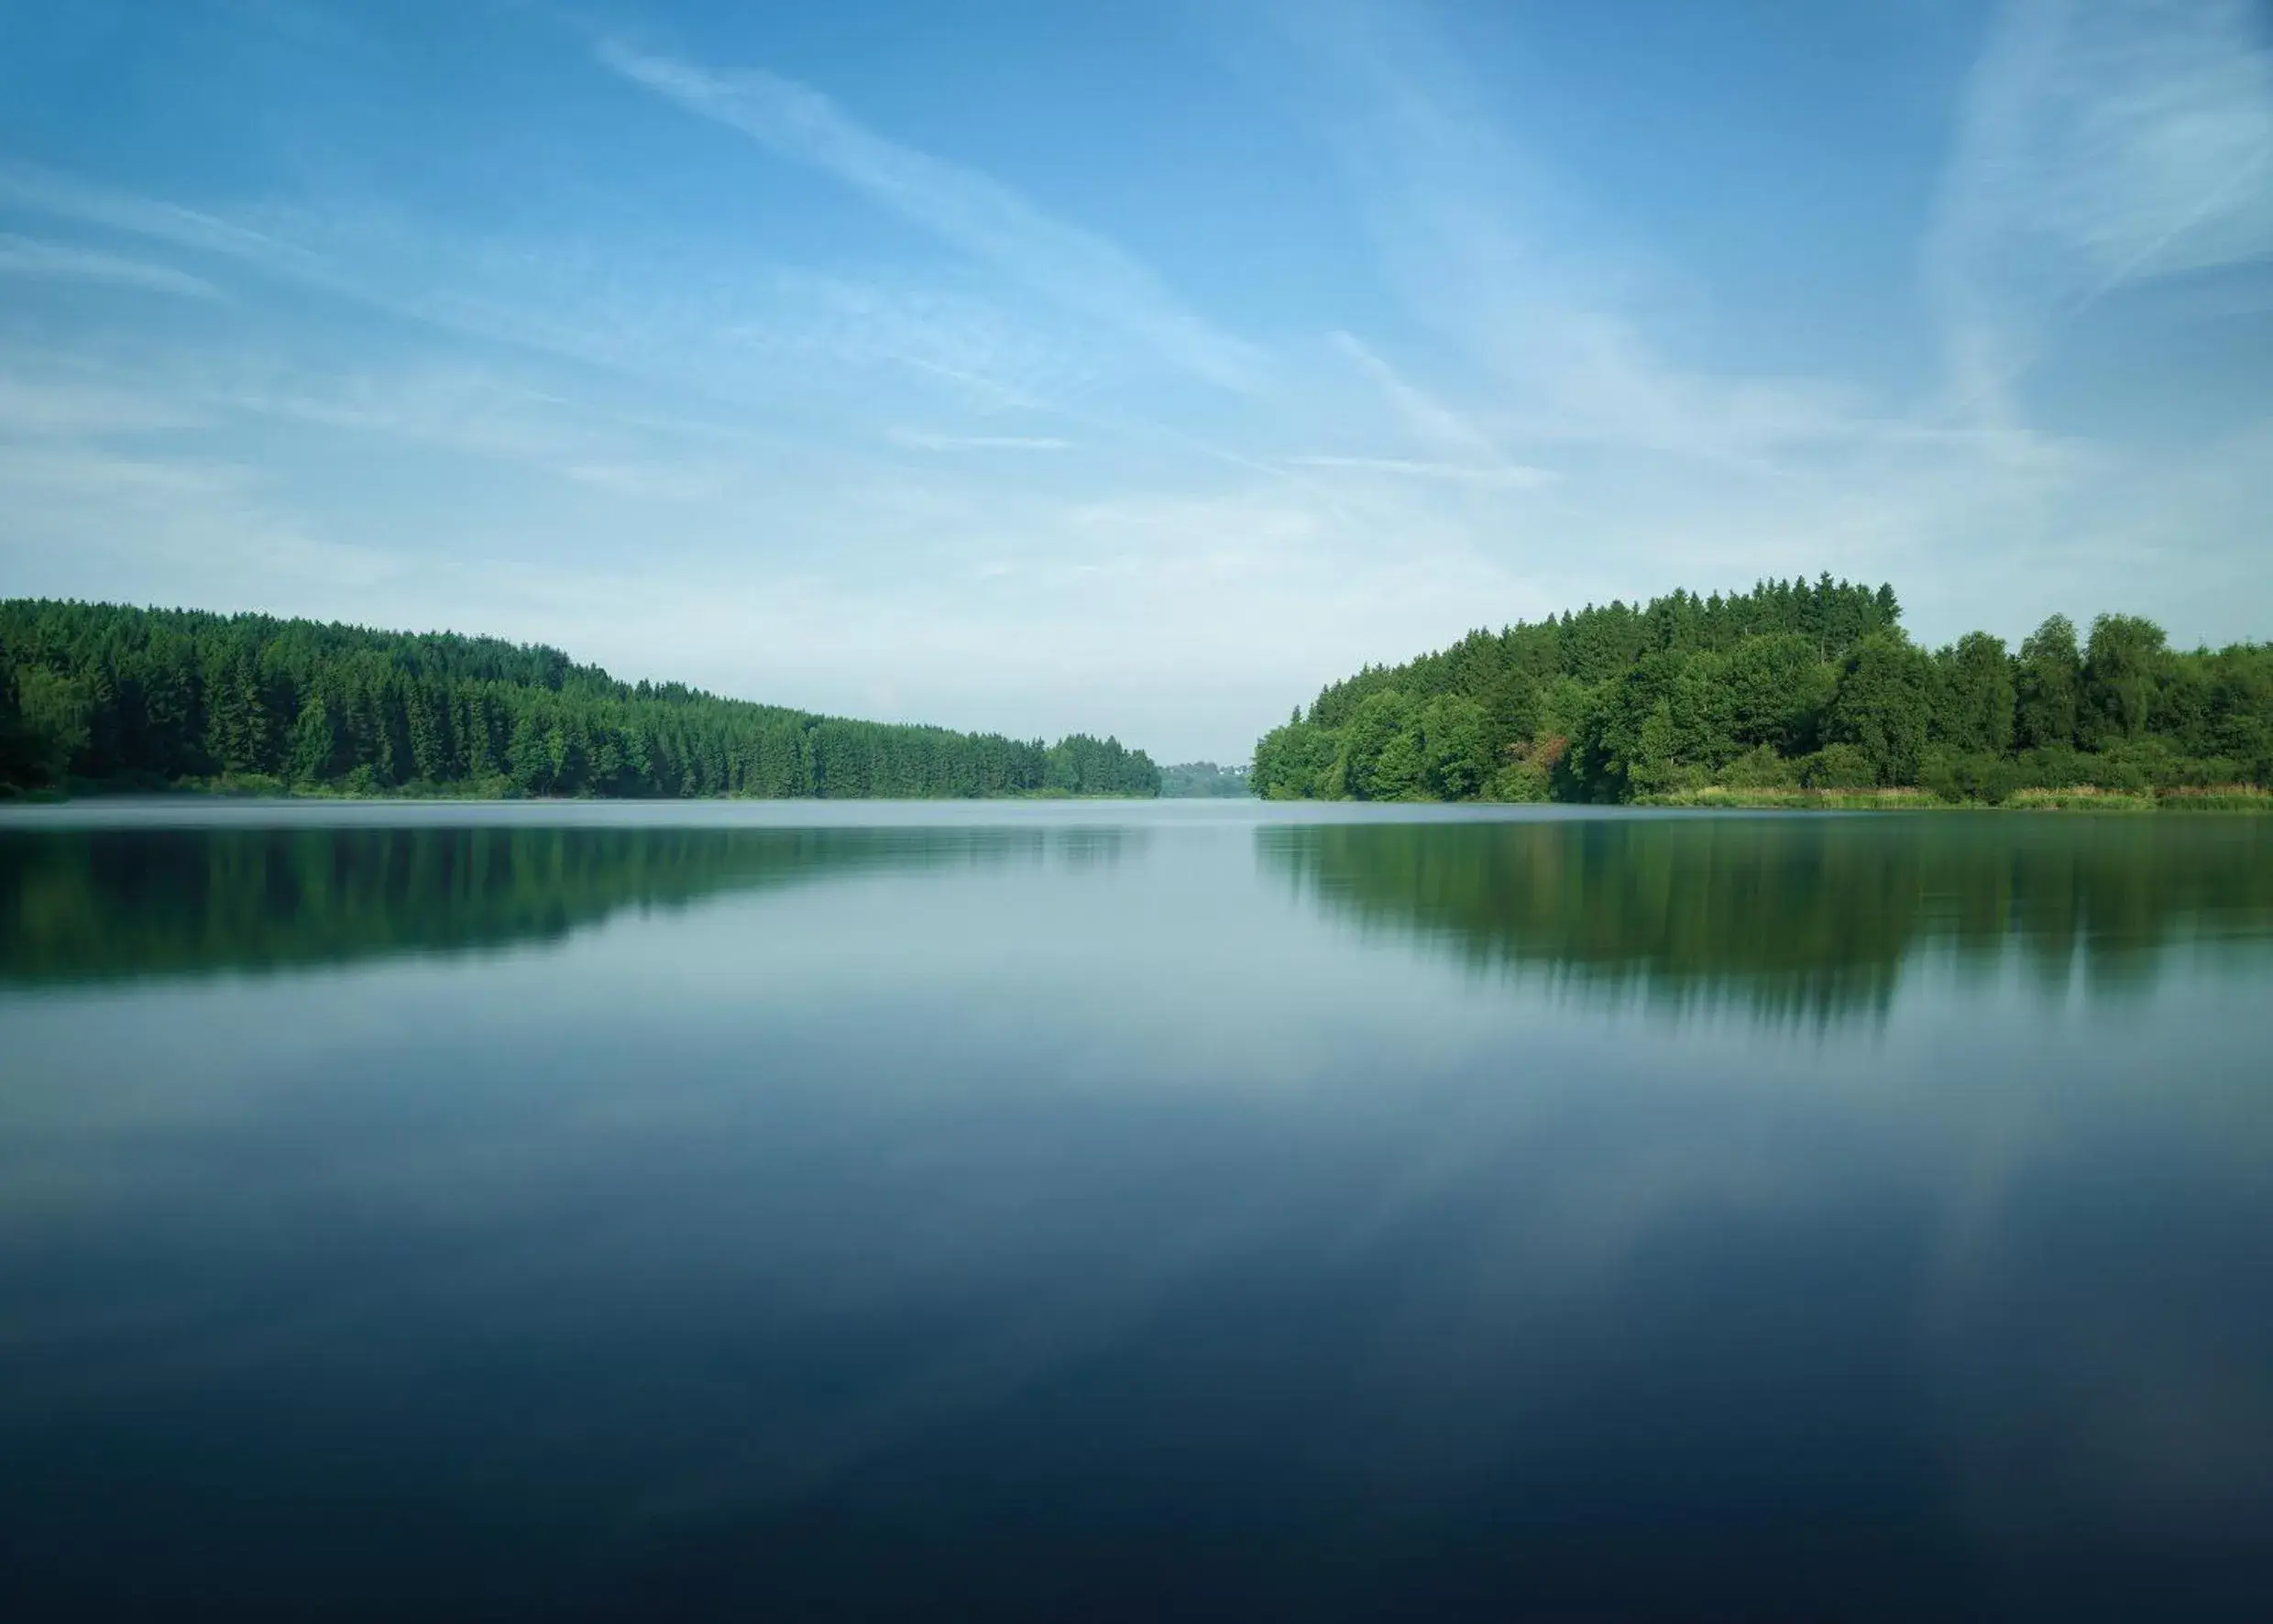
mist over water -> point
(1133, 1211)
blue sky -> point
(1137, 367)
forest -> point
(100, 696)
(1203, 781)
(1789, 687)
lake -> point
(1143, 1210)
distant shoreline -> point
(1710, 798)
(109, 695)
(2224, 798)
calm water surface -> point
(1133, 1211)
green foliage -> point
(1081, 765)
(2049, 686)
(1974, 709)
(1513, 707)
(1597, 643)
(1533, 769)
(1760, 768)
(1838, 766)
(1882, 705)
(1455, 735)
(50, 725)
(16, 768)
(1203, 781)
(1960, 777)
(1401, 768)
(148, 696)
(319, 750)
(1380, 720)
(1791, 687)
(1777, 687)
(2122, 672)
(1294, 763)
(1521, 782)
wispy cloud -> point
(1426, 416)
(919, 440)
(51, 261)
(40, 190)
(1074, 267)
(1537, 340)
(986, 460)
(564, 300)
(168, 527)
(44, 400)
(2103, 143)
(1514, 476)
(653, 481)
(1497, 260)
(470, 412)
(967, 346)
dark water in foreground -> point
(1138, 1211)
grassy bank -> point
(2226, 798)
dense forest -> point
(1203, 781)
(1788, 686)
(128, 697)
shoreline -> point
(2226, 798)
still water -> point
(1133, 1211)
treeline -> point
(1203, 781)
(156, 697)
(1789, 686)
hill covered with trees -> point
(152, 698)
(1790, 686)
